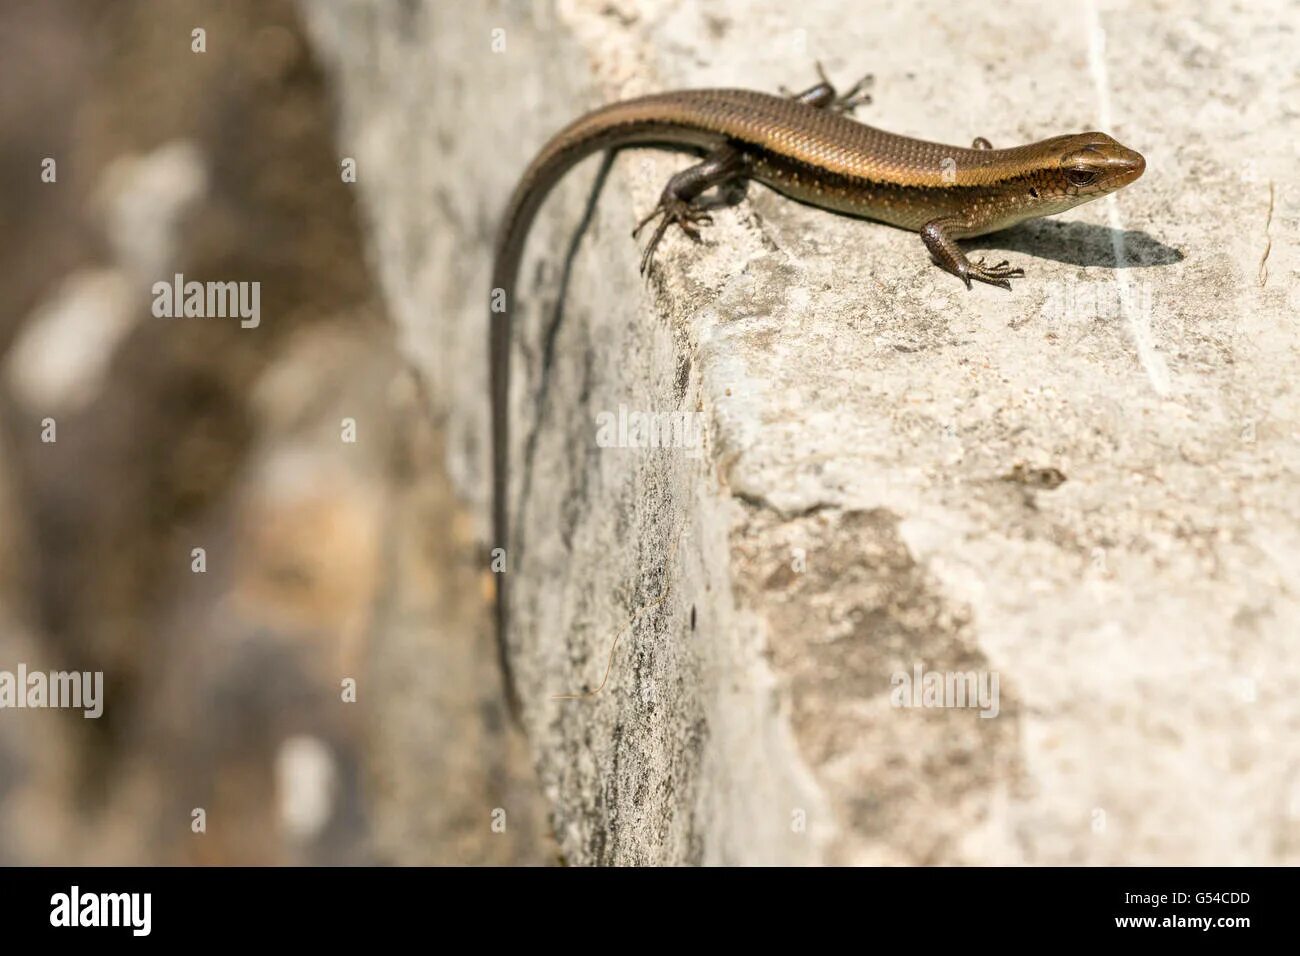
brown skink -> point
(805, 147)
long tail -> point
(629, 123)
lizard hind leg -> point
(683, 203)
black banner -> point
(584, 907)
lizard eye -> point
(1081, 177)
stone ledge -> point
(880, 484)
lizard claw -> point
(997, 275)
(855, 96)
(672, 210)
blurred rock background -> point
(326, 560)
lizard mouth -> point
(1127, 166)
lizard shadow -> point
(551, 330)
(1079, 244)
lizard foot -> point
(673, 210)
(997, 275)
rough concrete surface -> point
(1086, 488)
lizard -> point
(808, 148)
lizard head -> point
(1093, 164)
(1088, 165)
(1057, 174)
(1054, 175)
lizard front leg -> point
(940, 237)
